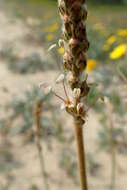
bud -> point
(81, 110)
(76, 93)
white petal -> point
(51, 47)
(60, 79)
(62, 107)
(45, 87)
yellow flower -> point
(111, 40)
(61, 50)
(91, 65)
(118, 52)
(49, 37)
(122, 32)
(52, 28)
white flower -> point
(60, 79)
(76, 93)
(46, 88)
(67, 104)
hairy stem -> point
(38, 112)
(81, 154)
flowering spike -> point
(74, 14)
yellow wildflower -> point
(91, 65)
(118, 52)
(122, 32)
(49, 37)
(61, 50)
(111, 40)
(52, 28)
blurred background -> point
(28, 29)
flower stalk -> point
(38, 111)
(81, 155)
(74, 14)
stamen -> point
(58, 96)
(65, 90)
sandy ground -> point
(13, 32)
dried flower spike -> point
(74, 14)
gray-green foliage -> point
(111, 83)
(29, 64)
(32, 63)
(22, 108)
(20, 116)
